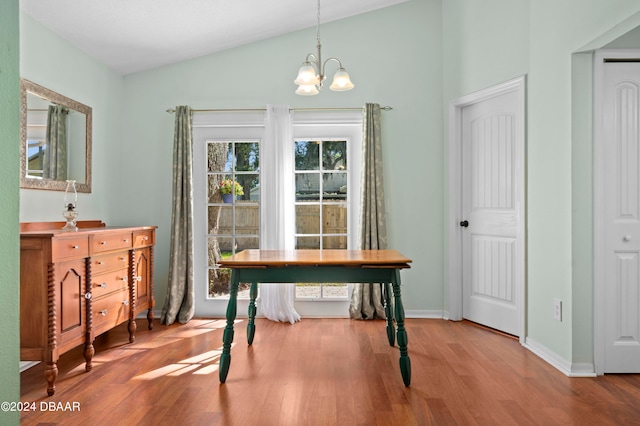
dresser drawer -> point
(70, 248)
(109, 262)
(109, 282)
(143, 238)
(111, 310)
(111, 241)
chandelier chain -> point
(318, 23)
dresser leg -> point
(51, 374)
(150, 317)
(132, 330)
(227, 337)
(89, 351)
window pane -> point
(335, 291)
(307, 243)
(219, 282)
(308, 219)
(334, 155)
(250, 183)
(334, 242)
(218, 247)
(307, 155)
(334, 219)
(322, 291)
(334, 186)
(219, 220)
(246, 243)
(307, 186)
(247, 219)
(247, 157)
(219, 157)
(213, 185)
(308, 291)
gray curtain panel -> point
(180, 301)
(55, 153)
(366, 299)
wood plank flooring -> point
(323, 372)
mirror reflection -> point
(56, 140)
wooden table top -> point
(282, 258)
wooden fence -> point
(334, 221)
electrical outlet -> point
(557, 309)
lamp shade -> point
(341, 81)
(307, 90)
(307, 75)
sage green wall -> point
(484, 43)
(53, 62)
(9, 240)
(539, 38)
(415, 57)
(394, 57)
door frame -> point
(599, 278)
(456, 106)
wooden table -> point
(293, 266)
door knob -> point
(464, 223)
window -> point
(233, 218)
(321, 208)
(324, 181)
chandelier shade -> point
(307, 75)
(341, 81)
(307, 90)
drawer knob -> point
(125, 302)
(87, 295)
(124, 279)
(126, 240)
(100, 263)
(104, 243)
(139, 278)
(145, 238)
(102, 285)
(103, 312)
(75, 247)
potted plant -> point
(230, 189)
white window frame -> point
(335, 126)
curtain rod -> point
(384, 108)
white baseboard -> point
(555, 360)
(414, 313)
(25, 365)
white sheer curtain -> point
(277, 208)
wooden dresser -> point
(77, 285)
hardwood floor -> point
(323, 372)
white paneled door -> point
(492, 152)
(621, 196)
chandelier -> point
(311, 74)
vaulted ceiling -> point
(136, 35)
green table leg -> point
(251, 326)
(227, 337)
(403, 340)
(391, 331)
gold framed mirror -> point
(55, 140)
